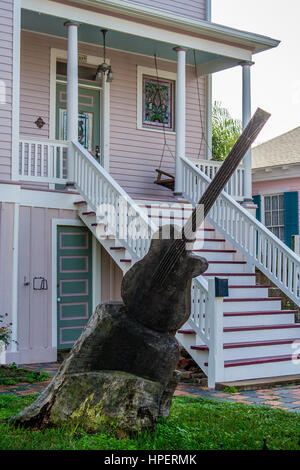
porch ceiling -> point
(53, 25)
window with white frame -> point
(155, 99)
(274, 214)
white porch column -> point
(105, 127)
(180, 117)
(208, 98)
(72, 91)
(247, 161)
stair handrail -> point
(199, 320)
(206, 320)
(258, 244)
(97, 187)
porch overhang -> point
(256, 42)
(136, 28)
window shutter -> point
(291, 216)
(257, 202)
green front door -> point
(74, 283)
(88, 116)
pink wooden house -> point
(84, 127)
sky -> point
(276, 73)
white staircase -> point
(244, 336)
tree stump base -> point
(119, 376)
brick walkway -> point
(284, 398)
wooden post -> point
(246, 66)
(216, 351)
(180, 118)
(72, 92)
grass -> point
(193, 424)
(12, 375)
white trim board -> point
(13, 193)
(131, 27)
(280, 172)
(107, 47)
(152, 73)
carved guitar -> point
(156, 290)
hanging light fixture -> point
(110, 76)
(104, 67)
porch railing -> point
(129, 223)
(43, 160)
(260, 247)
(235, 186)
(207, 321)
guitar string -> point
(173, 259)
(169, 260)
(178, 247)
(165, 264)
(207, 204)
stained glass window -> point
(158, 102)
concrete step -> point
(264, 383)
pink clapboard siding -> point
(134, 154)
(193, 8)
(6, 78)
(277, 187)
(35, 259)
(111, 278)
(6, 257)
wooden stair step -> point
(260, 360)
(257, 360)
(211, 240)
(78, 203)
(214, 251)
(258, 286)
(89, 213)
(228, 274)
(249, 344)
(125, 260)
(117, 248)
(186, 332)
(227, 262)
(229, 329)
(271, 312)
(264, 299)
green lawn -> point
(193, 424)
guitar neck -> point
(225, 173)
(210, 196)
